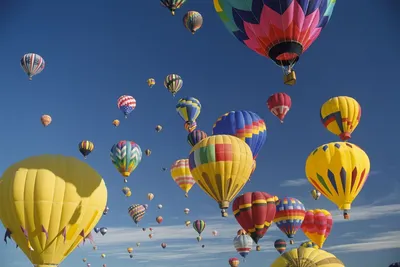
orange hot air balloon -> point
(234, 262)
(116, 123)
(159, 219)
(317, 225)
(46, 120)
(255, 212)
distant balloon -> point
(116, 123)
(32, 64)
(192, 21)
(46, 120)
(85, 147)
(159, 219)
(279, 104)
(173, 82)
(126, 104)
(151, 82)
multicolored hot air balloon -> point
(181, 174)
(127, 191)
(341, 115)
(46, 120)
(255, 212)
(234, 262)
(32, 64)
(289, 216)
(243, 244)
(158, 128)
(192, 21)
(309, 244)
(151, 82)
(279, 104)
(150, 196)
(85, 147)
(339, 171)
(186, 211)
(195, 136)
(41, 204)
(126, 156)
(137, 212)
(159, 219)
(245, 125)
(190, 126)
(116, 123)
(307, 257)
(280, 245)
(221, 166)
(173, 82)
(317, 225)
(199, 226)
(315, 194)
(126, 104)
(277, 29)
(172, 5)
(189, 109)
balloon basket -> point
(290, 78)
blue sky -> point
(98, 50)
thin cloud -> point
(381, 241)
(294, 183)
(367, 212)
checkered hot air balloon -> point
(289, 216)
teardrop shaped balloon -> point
(279, 104)
(182, 176)
(339, 171)
(234, 262)
(317, 225)
(85, 147)
(137, 212)
(151, 82)
(32, 64)
(49, 204)
(46, 120)
(196, 136)
(243, 244)
(289, 215)
(221, 166)
(192, 21)
(245, 125)
(126, 104)
(172, 5)
(280, 245)
(126, 156)
(173, 82)
(188, 108)
(199, 226)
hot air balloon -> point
(199, 226)
(173, 82)
(150, 196)
(243, 244)
(289, 216)
(126, 156)
(277, 29)
(138, 244)
(158, 128)
(280, 245)
(338, 170)
(199, 238)
(214, 232)
(84, 259)
(103, 256)
(234, 262)
(309, 244)
(103, 230)
(182, 176)
(195, 136)
(245, 125)
(190, 126)
(341, 115)
(151, 236)
(279, 104)
(116, 123)
(315, 194)
(255, 211)
(159, 219)
(85, 147)
(186, 211)
(147, 152)
(88, 265)
(159, 206)
(189, 109)
(187, 223)
(192, 21)
(221, 165)
(130, 250)
(137, 212)
(105, 211)
(32, 64)
(126, 104)
(46, 120)
(151, 82)
(127, 191)
(307, 257)
(41, 204)
(317, 225)
(172, 5)
(131, 256)
(163, 245)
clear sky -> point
(98, 50)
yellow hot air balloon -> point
(307, 257)
(341, 115)
(151, 82)
(221, 165)
(49, 204)
(116, 123)
(338, 170)
(150, 196)
(180, 172)
(130, 250)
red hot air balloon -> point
(279, 104)
(255, 212)
(159, 219)
(234, 262)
